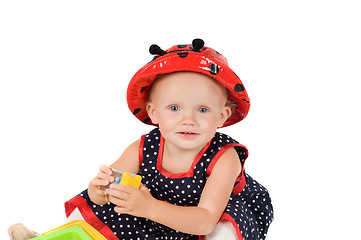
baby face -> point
(188, 108)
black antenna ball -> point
(156, 50)
(197, 44)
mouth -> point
(187, 135)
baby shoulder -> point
(228, 163)
(129, 160)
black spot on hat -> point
(136, 111)
(182, 54)
(197, 44)
(213, 68)
(143, 89)
(247, 101)
(146, 121)
(182, 46)
(239, 87)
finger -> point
(120, 210)
(123, 188)
(105, 169)
(105, 176)
(117, 194)
(100, 182)
(99, 191)
(116, 201)
(142, 187)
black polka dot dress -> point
(249, 208)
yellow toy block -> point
(129, 180)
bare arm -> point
(129, 160)
(198, 220)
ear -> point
(151, 113)
(225, 114)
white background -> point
(65, 66)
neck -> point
(177, 160)
(179, 154)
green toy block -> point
(70, 233)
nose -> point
(188, 118)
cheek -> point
(166, 120)
(208, 122)
(211, 118)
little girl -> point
(192, 176)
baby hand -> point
(103, 179)
(130, 200)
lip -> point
(187, 134)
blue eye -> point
(174, 108)
(203, 110)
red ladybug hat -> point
(193, 57)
